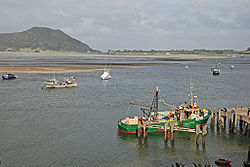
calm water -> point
(78, 126)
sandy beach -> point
(46, 69)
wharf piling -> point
(169, 126)
(166, 131)
(235, 118)
(247, 162)
(213, 117)
(201, 131)
(142, 128)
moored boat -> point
(106, 75)
(215, 70)
(9, 76)
(184, 116)
(53, 83)
(69, 82)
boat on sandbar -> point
(184, 116)
(9, 76)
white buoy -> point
(232, 67)
(186, 67)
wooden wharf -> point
(199, 130)
(235, 117)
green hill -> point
(42, 39)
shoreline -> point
(208, 56)
(66, 67)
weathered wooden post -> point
(219, 118)
(241, 122)
(197, 133)
(229, 120)
(245, 128)
(247, 162)
(139, 131)
(166, 131)
(145, 129)
(204, 133)
(172, 131)
(235, 122)
(181, 118)
(213, 117)
(223, 122)
(232, 121)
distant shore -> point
(66, 67)
(207, 56)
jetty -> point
(236, 117)
(169, 128)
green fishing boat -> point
(184, 116)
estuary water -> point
(78, 126)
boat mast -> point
(156, 99)
(192, 98)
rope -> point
(151, 94)
(162, 101)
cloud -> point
(140, 24)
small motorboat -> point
(53, 83)
(232, 67)
(186, 67)
(9, 76)
(215, 70)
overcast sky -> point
(136, 24)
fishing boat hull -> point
(159, 127)
(61, 86)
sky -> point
(136, 24)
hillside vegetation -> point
(41, 39)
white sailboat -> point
(106, 75)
